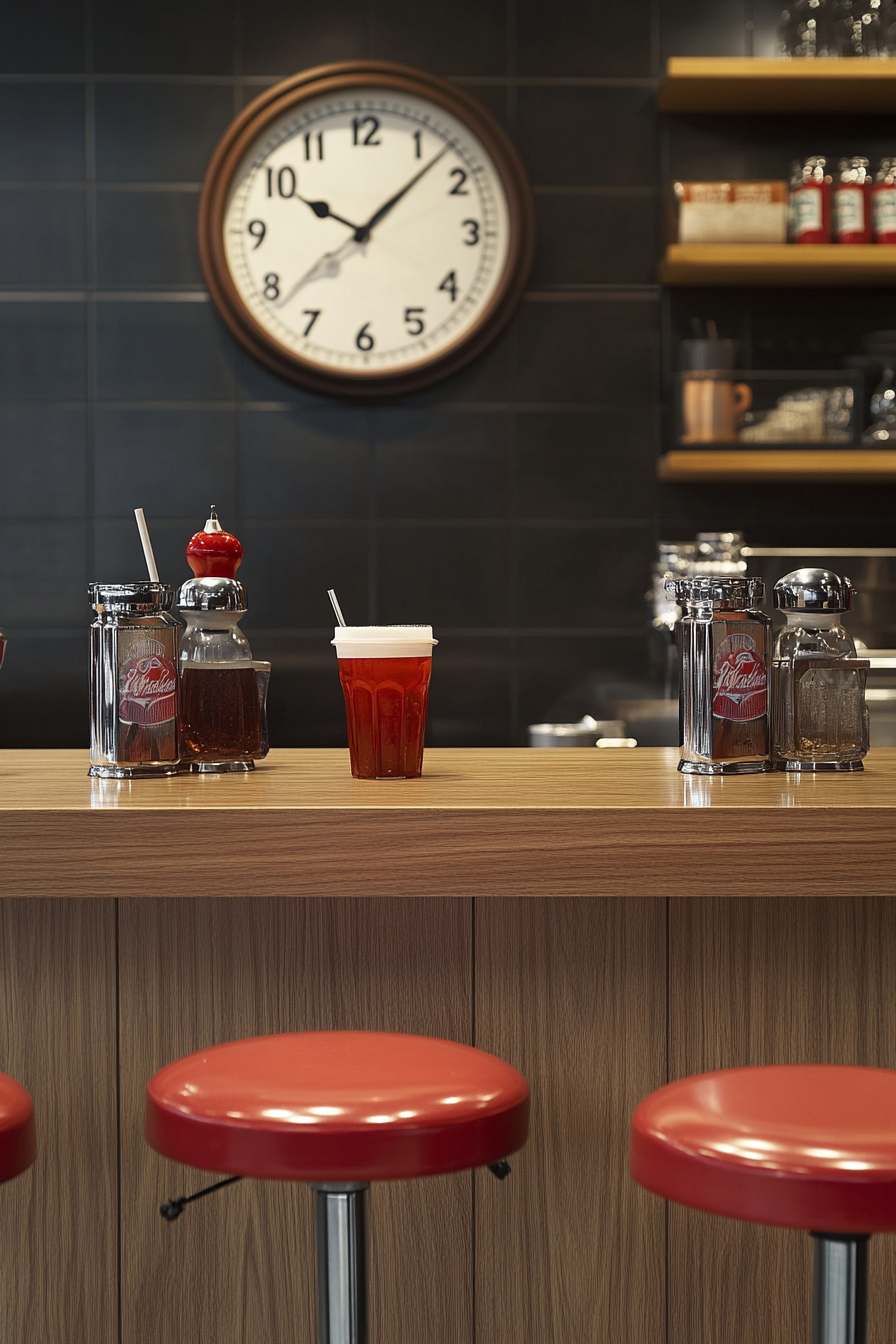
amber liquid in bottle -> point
(220, 713)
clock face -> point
(368, 231)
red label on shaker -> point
(739, 679)
(147, 685)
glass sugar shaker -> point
(820, 720)
(133, 681)
(725, 643)
(223, 719)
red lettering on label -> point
(739, 680)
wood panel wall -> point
(597, 1001)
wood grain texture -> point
(480, 823)
(777, 464)
(572, 992)
(759, 981)
(59, 1219)
(756, 84)
(240, 1266)
(783, 264)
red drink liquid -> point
(385, 708)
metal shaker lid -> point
(130, 597)
(722, 593)
(813, 590)
(212, 594)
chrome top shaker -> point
(820, 720)
(725, 643)
(133, 681)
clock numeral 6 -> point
(258, 230)
(364, 340)
(473, 226)
(286, 182)
(272, 286)
(416, 325)
(449, 285)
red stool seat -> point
(808, 1146)
(337, 1106)
(17, 1142)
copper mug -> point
(712, 406)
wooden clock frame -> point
(342, 79)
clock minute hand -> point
(362, 235)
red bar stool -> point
(811, 1146)
(17, 1141)
(338, 1109)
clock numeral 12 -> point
(286, 182)
(317, 140)
(449, 285)
(358, 124)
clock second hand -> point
(326, 267)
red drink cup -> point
(384, 671)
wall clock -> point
(365, 228)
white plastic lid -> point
(383, 641)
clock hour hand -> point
(326, 267)
(323, 211)
(362, 235)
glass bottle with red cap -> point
(810, 201)
(883, 200)
(223, 720)
(852, 202)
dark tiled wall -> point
(515, 506)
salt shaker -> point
(133, 681)
(724, 643)
(820, 720)
(223, 721)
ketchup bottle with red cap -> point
(223, 722)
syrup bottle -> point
(223, 690)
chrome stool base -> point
(840, 1289)
(341, 1262)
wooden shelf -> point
(779, 264)
(779, 464)
(752, 84)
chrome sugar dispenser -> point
(819, 720)
(223, 717)
(133, 681)
(725, 644)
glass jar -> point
(133, 681)
(809, 216)
(852, 202)
(820, 720)
(883, 201)
(223, 689)
(724, 644)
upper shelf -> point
(780, 264)
(755, 84)
(849, 465)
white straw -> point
(331, 594)
(147, 545)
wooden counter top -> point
(480, 822)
